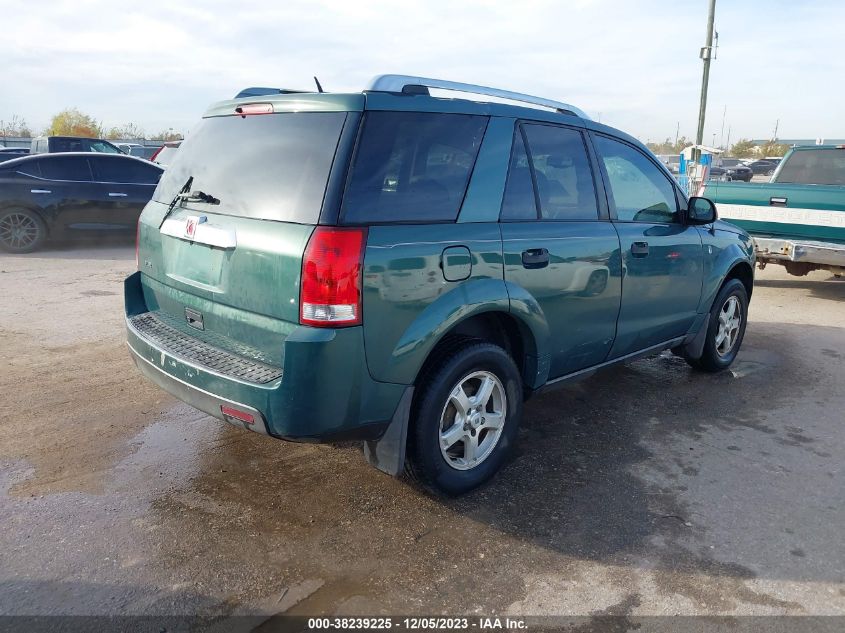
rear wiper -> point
(185, 188)
(198, 196)
(186, 195)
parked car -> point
(143, 151)
(165, 153)
(126, 148)
(762, 167)
(730, 169)
(71, 195)
(9, 153)
(405, 270)
(798, 219)
(55, 144)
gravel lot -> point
(648, 489)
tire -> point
(468, 366)
(770, 172)
(21, 231)
(718, 352)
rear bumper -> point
(324, 393)
(805, 251)
(196, 397)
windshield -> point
(271, 167)
(814, 167)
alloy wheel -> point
(472, 420)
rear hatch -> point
(224, 266)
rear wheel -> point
(21, 231)
(726, 328)
(466, 418)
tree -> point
(125, 131)
(743, 148)
(669, 146)
(167, 135)
(773, 148)
(71, 122)
(15, 127)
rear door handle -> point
(40, 191)
(777, 202)
(535, 258)
(639, 249)
(117, 195)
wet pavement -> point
(646, 489)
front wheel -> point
(726, 328)
(466, 417)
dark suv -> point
(406, 270)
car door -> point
(123, 186)
(66, 192)
(661, 256)
(559, 244)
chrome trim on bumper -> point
(194, 396)
(827, 253)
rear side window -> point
(73, 168)
(270, 167)
(563, 173)
(815, 167)
(519, 202)
(126, 171)
(412, 167)
(641, 191)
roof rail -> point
(420, 85)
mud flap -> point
(693, 345)
(388, 452)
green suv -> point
(406, 269)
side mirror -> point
(701, 211)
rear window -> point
(815, 167)
(412, 167)
(270, 167)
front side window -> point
(74, 168)
(640, 190)
(103, 147)
(412, 167)
(565, 186)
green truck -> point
(798, 218)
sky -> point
(632, 64)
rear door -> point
(122, 187)
(661, 257)
(559, 245)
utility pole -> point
(677, 131)
(706, 55)
(722, 137)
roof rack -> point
(420, 85)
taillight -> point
(254, 108)
(156, 153)
(330, 291)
